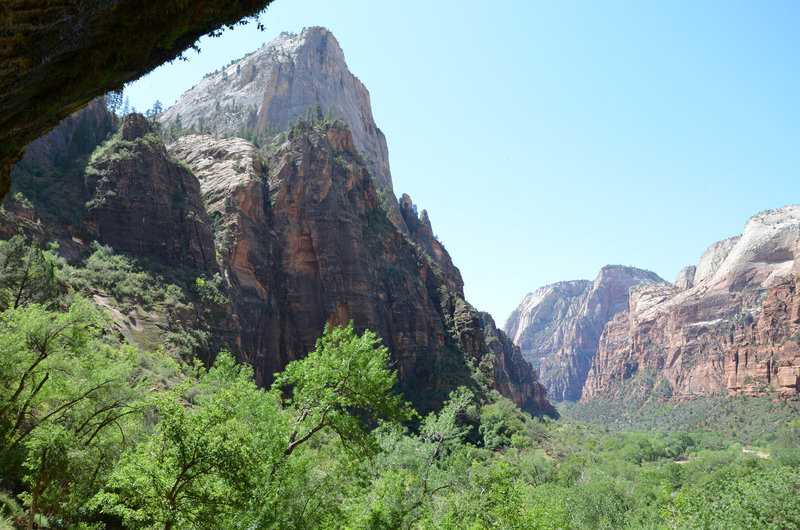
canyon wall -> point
(558, 327)
(730, 328)
(304, 242)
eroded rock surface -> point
(277, 84)
(421, 233)
(686, 276)
(558, 326)
(733, 331)
(304, 242)
(140, 201)
(303, 236)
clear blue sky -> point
(547, 139)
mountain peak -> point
(263, 92)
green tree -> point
(338, 393)
(114, 100)
(753, 498)
(225, 453)
(318, 117)
(62, 391)
(27, 274)
(205, 458)
(414, 469)
(342, 385)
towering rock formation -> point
(558, 326)
(303, 235)
(730, 328)
(273, 86)
(142, 202)
(304, 242)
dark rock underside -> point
(57, 55)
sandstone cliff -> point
(731, 328)
(301, 237)
(512, 374)
(50, 178)
(264, 91)
(304, 242)
(142, 202)
(558, 326)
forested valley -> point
(99, 434)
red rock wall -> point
(310, 245)
(720, 343)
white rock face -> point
(707, 338)
(685, 279)
(538, 309)
(222, 165)
(735, 272)
(558, 326)
(267, 89)
(763, 253)
(713, 257)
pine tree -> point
(318, 116)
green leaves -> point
(744, 498)
(225, 453)
(66, 400)
(27, 274)
(203, 460)
(342, 385)
(87, 436)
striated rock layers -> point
(304, 242)
(142, 202)
(558, 327)
(731, 327)
(49, 181)
(511, 373)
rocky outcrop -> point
(421, 233)
(55, 57)
(266, 90)
(140, 201)
(529, 325)
(765, 356)
(713, 257)
(685, 279)
(304, 242)
(511, 373)
(733, 331)
(302, 236)
(558, 326)
(48, 189)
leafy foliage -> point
(199, 465)
(27, 274)
(94, 433)
(344, 382)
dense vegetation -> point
(99, 434)
(760, 421)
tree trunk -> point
(36, 491)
